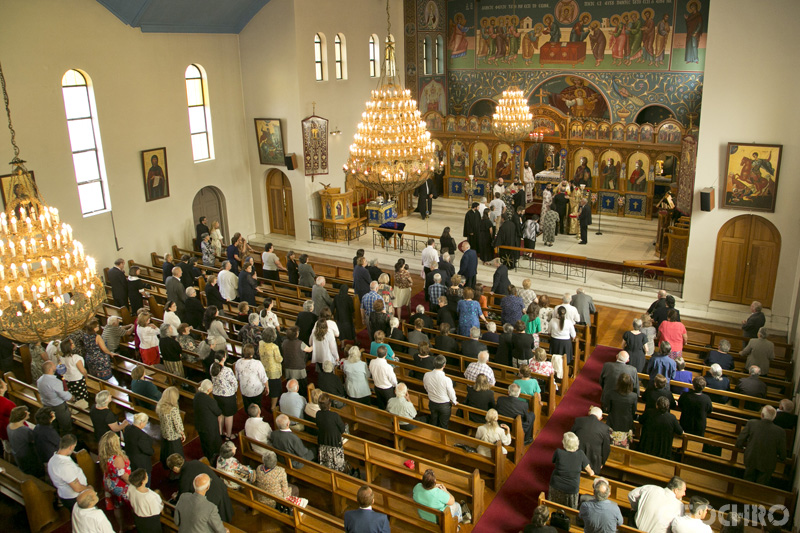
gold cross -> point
(541, 95)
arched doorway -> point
(746, 262)
(279, 200)
(210, 203)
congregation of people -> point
(300, 372)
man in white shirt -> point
(496, 206)
(480, 367)
(66, 475)
(86, 518)
(228, 282)
(400, 405)
(499, 187)
(482, 206)
(256, 428)
(383, 377)
(572, 311)
(656, 507)
(693, 522)
(440, 393)
(429, 256)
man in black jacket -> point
(764, 445)
(213, 296)
(513, 406)
(201, 228)
(584, 220)
(424, 194)
(595, 437)
(305, 321)
(194, 310)
(119, 283)
(166, 267)
(217, 492)
(139, 445)
(754, 322)
(206, 420)
(472, 223)
(361, 278)
(285, 440)
(611, 372)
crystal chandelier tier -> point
(512, 119)
(392, 150)
(48, 285)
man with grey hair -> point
(256, 428)
(166, 267)
(513, 406)
(374, 271)
(291, 403)
(419, 312)
(764, 445)
(786, 417)
(446, 266)
(572, 311)
(114, 331)
(660, 302)
(435, 290)
(752, 386)
(319, 295)
(193, 309)
(285, 440)
(368, 299)
(194, 513)
(754, 322)
(759, 351)
(53, 395)
(480, 367)
(208, 420)
(473, 346)
(139, 445)
(613, 370)
(86, 517)
(584, 305)
(600, 515)
(175, 289)
(595, 437)
(655, 507)
(228, 282)
(468, 266)
(119, 283)
(720, 356)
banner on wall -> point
(315, 145)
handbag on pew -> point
(466, 448)
(560, 520)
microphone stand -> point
(599, 216)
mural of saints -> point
(479, 166)
(638, 178)
(609, 170)
(457, 43)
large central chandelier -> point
(392, 150)
(48, 286)
(512, 119)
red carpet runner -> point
(513, 506)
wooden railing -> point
(642, 276)
(551, 263)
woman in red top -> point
(674, 332)
(116, 469)
(6, 406)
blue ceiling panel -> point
(185, 16)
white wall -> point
(745, 100)
(277, 58)
(141, 104)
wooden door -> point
(746, 262)
(208, 202)
(279, 196)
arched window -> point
(374, 54)
(84, 138)
(439, 55)
(390, 66)
(426, 55)
(320, 58)
(199, 114)
(340, 56)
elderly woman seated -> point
(228, 463)
(272, 478)
(492, 432)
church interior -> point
(662, 114)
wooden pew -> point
(401, 510)
(573, 515)
(33, 494)
(378, 459)
(168, 520)
(709, 339)
(29, 394)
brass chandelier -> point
(392, 150)
(48, 286)
(512, 119)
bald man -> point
(194, 513)
(86, 518)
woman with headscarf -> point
(486, 234)
(343, 310)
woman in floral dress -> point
(469, 313)
(172, 432)
(116, 468)
(228, 463)
(98, 358)
(402, 287)
(272, 478)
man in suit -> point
(752, 386)
(613, 370)
(202, 227)
(374, 270)
(320, 297)
(472, 347)
(585, 306)
(139, 445)
(187, 279)
(468, 268)
(585, 219)
(436, 268)
(447, 267)
(595, 437)
(754, 322)
(660, 302)
(284, 440)
(500, 281)
(764, 445)
(119, 283)
(759, 352)
(472, 225)
(364, 519)
(424, 194)
(513, 406)
(361, 278)
(194, 310)
(305, 272)
(217, 493)
(194, 513)
(175, 289)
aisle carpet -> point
(513, 506)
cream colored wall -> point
(141, 104)
(746, 98)
(277, 57)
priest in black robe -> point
(472, 226)
(508, 235)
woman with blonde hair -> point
(545, 313)
(492, 432)
(148, 338)
(526, 293)
(386, 292)
(116, 469)
(357, 377)
(216, 238)
(402, 287)
(540, 364)
(172, 432)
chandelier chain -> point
(8, 114)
